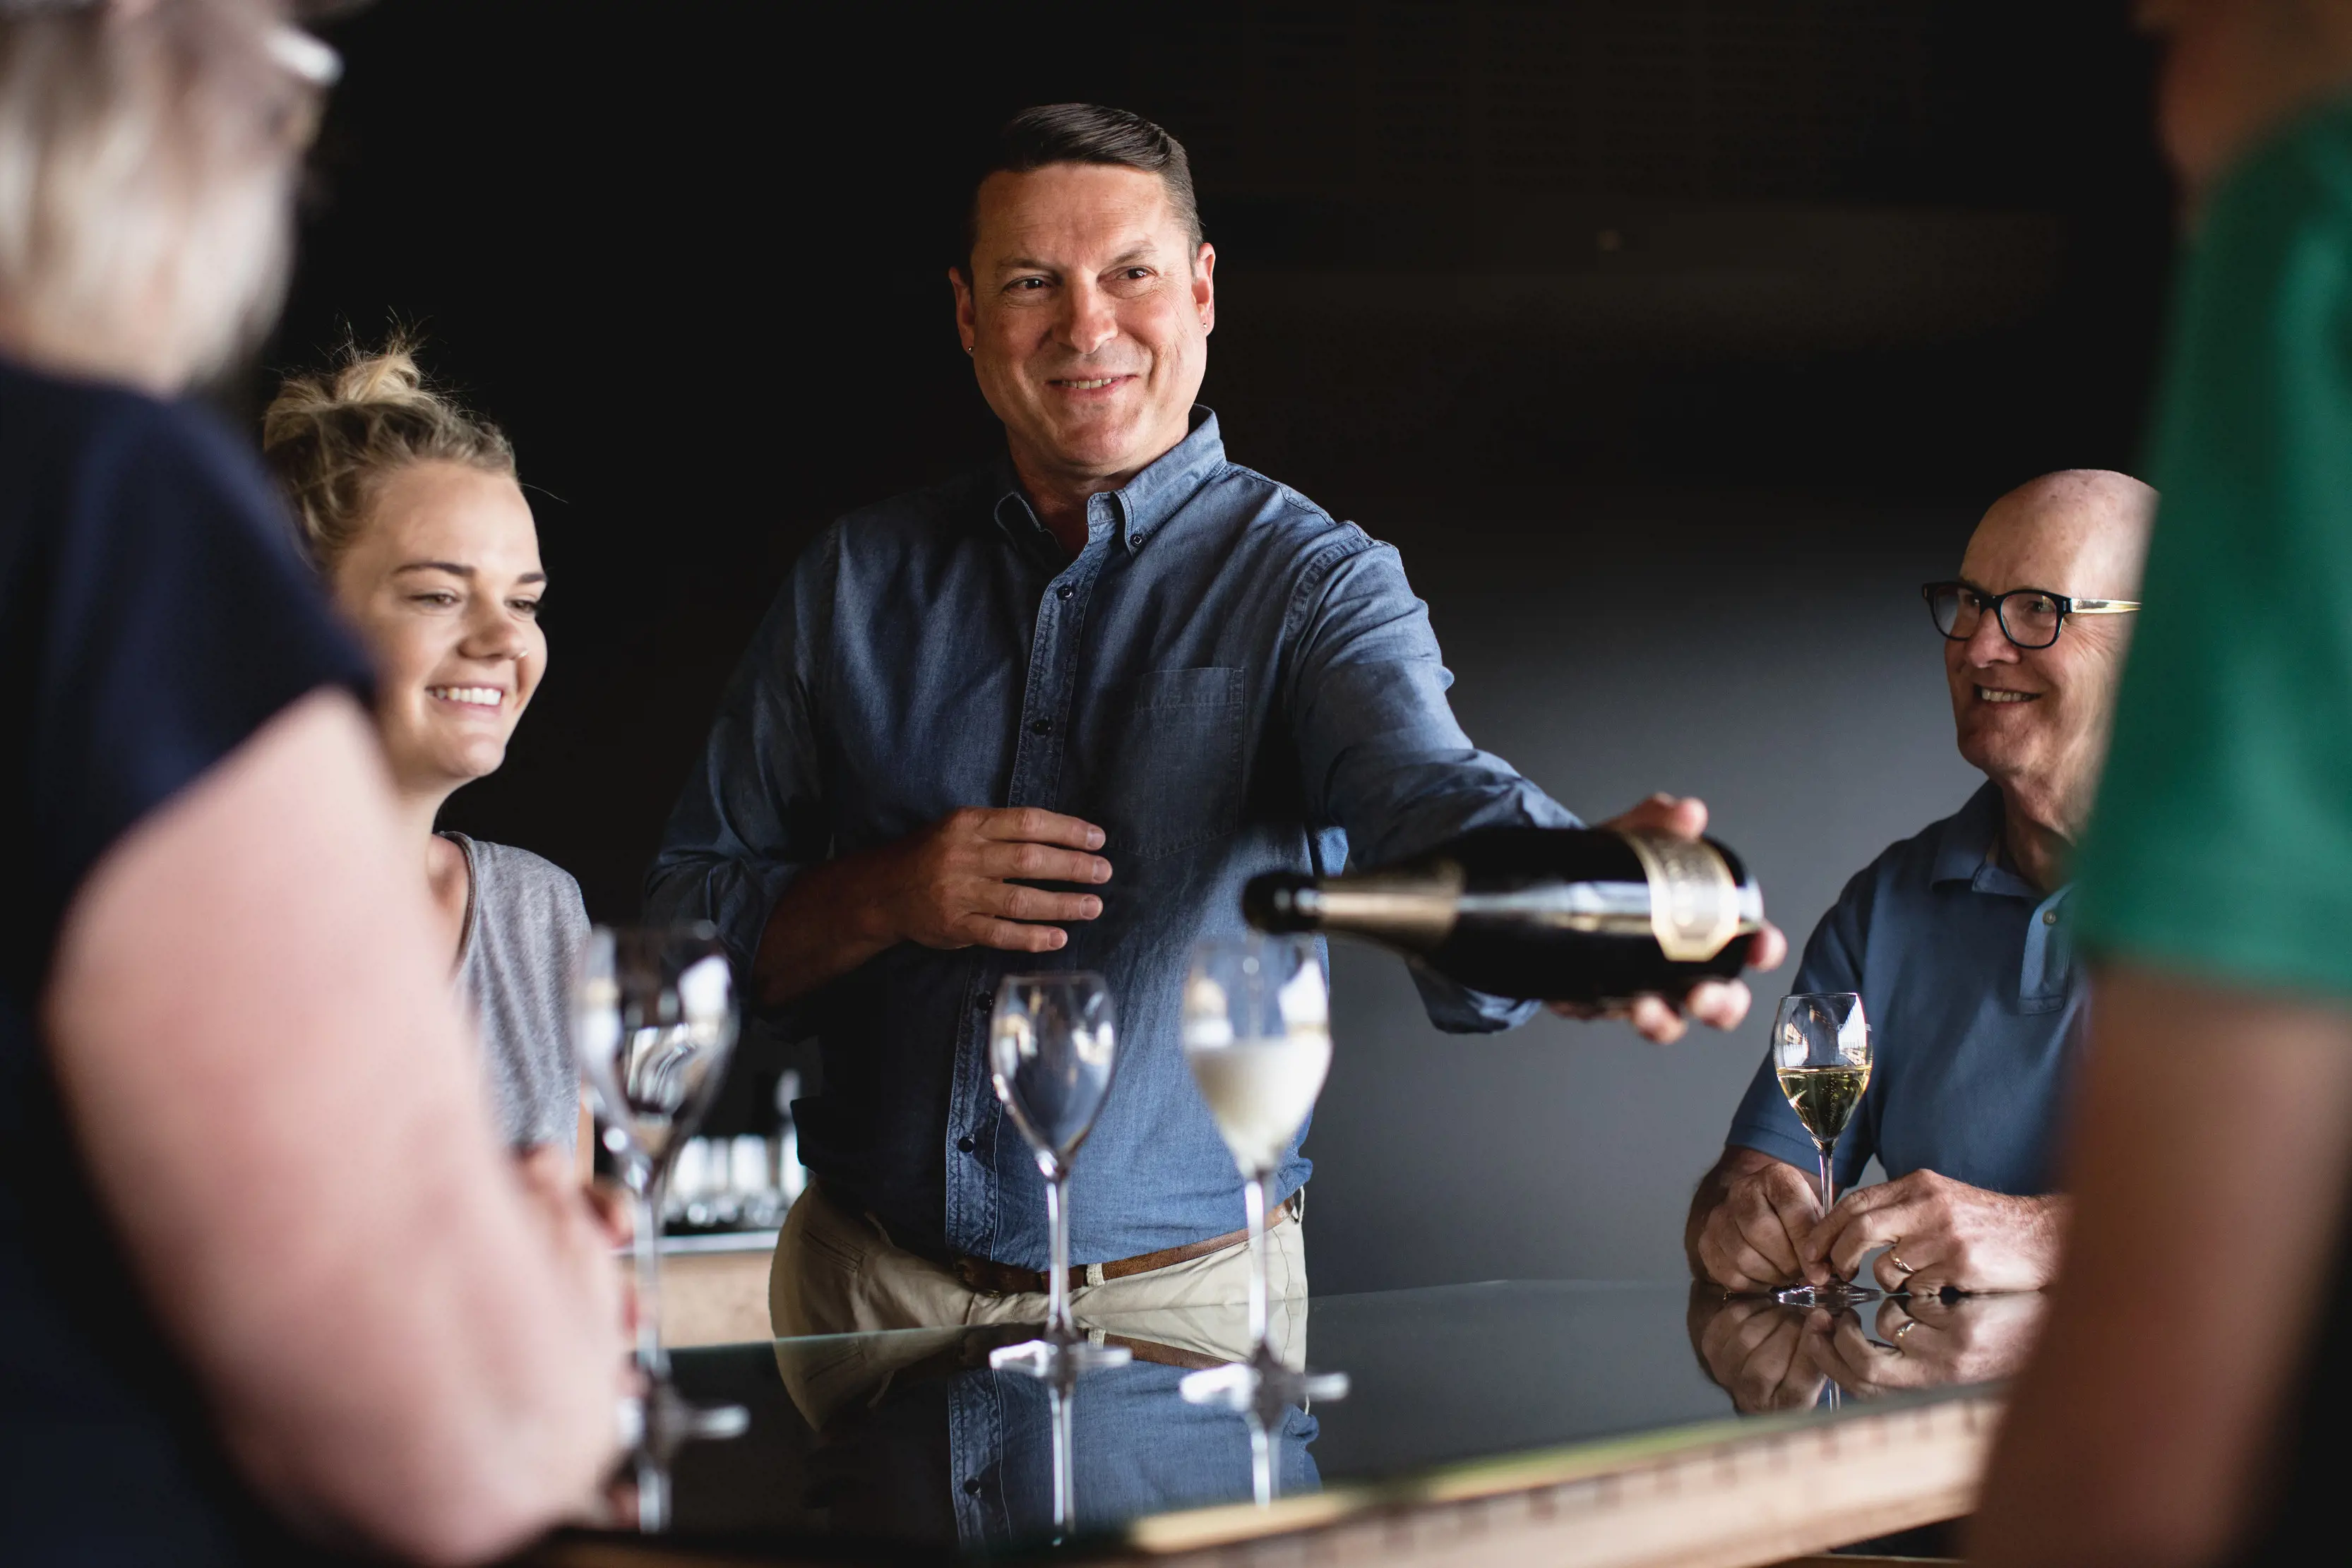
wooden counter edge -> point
(1745, 1495)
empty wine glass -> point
(654, 1019)
(1257, 1036)
(1820, 1053)
(1051, 1048)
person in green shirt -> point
(2194, 1327)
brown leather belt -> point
(990, 1278)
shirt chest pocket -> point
(1171, 770)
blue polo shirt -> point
(1967, 974)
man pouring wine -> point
(1067, 704)
(1957, 942)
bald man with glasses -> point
(1957, 941)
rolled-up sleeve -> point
(753, 814)
(1380, 754)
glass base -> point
(1241, 1384)
(1057, 1358)
(657, 1428)
(1837, 1293)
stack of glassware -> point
(744, 1183)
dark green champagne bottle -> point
(1572, 914)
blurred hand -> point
(1722, 1003)
(951, 885)
(1930, 1342)
(579, 1223)
(1941, 1233)
(1750, 1239)
(1753, 1348)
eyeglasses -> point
(2028, 617)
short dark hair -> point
(1085, 133)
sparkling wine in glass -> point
(1257, 1036)
(654, 1019)
(1052, 1043)
(1821, 1056)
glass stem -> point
(1827, 1198)
(1064, 1484)
(1261, 1459)
(651, 1360)
(1254, 1198)
(1058, 1322)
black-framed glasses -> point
(2028, 617)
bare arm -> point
(1747, 1220)
(2140, 1431)
(257, 1046)
(947, 886)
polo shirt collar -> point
(1968, 849)
(1130, 516)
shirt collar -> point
(1135, 512)
(1967, 849)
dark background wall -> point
(1673, 342)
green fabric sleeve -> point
(2222, 840)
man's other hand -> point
(1750, 1239)
(1722, 1003)
(1941, 1233)
(952, 884)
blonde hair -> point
(334, 437)
(148, 163)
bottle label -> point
(1693, 901)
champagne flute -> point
(654, 1019)
(1257, 1036)
(1051, 1048)
(1820, 1053)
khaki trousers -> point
(837, 1271)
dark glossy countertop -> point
(906, 1443)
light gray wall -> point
(1765, 652)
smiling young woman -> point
(409, 507)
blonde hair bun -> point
(331, 437)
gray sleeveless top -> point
(525, 926)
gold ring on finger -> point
(1900, 1266)
(1904, 1327)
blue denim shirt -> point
(1225, 679)
(1967, 974)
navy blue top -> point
(1967, 975)
(1226, 679)
(153, 615)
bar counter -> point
(1565, 1422)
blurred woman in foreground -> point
(263, 1259)
(409, 507)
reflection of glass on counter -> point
(1771, 1356)
(920, 1441)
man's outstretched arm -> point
(1380, 754)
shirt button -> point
(979, 1003)
(1065, 591)
(973, 1487)
(2049, 918)
(1041, 726)
(966, 1144)
(1135, 541)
